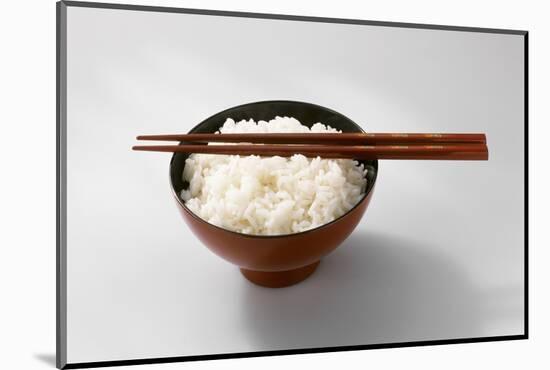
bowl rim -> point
(180, 201)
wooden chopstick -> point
(441, 151)
(325, 138)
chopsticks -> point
(327, 145)
(462, 152)
(355, 138)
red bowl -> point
(274, 260)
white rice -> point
(271, 195)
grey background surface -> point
(438, 255)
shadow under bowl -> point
(274, 260)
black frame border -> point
(61, 171)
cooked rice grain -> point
(271, 195)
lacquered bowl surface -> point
(278, 260)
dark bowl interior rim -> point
(252, 236)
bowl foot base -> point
(279, 279)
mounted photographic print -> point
(237, 184)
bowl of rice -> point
(273, 217)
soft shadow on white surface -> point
(47, 358)
(375, 288)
